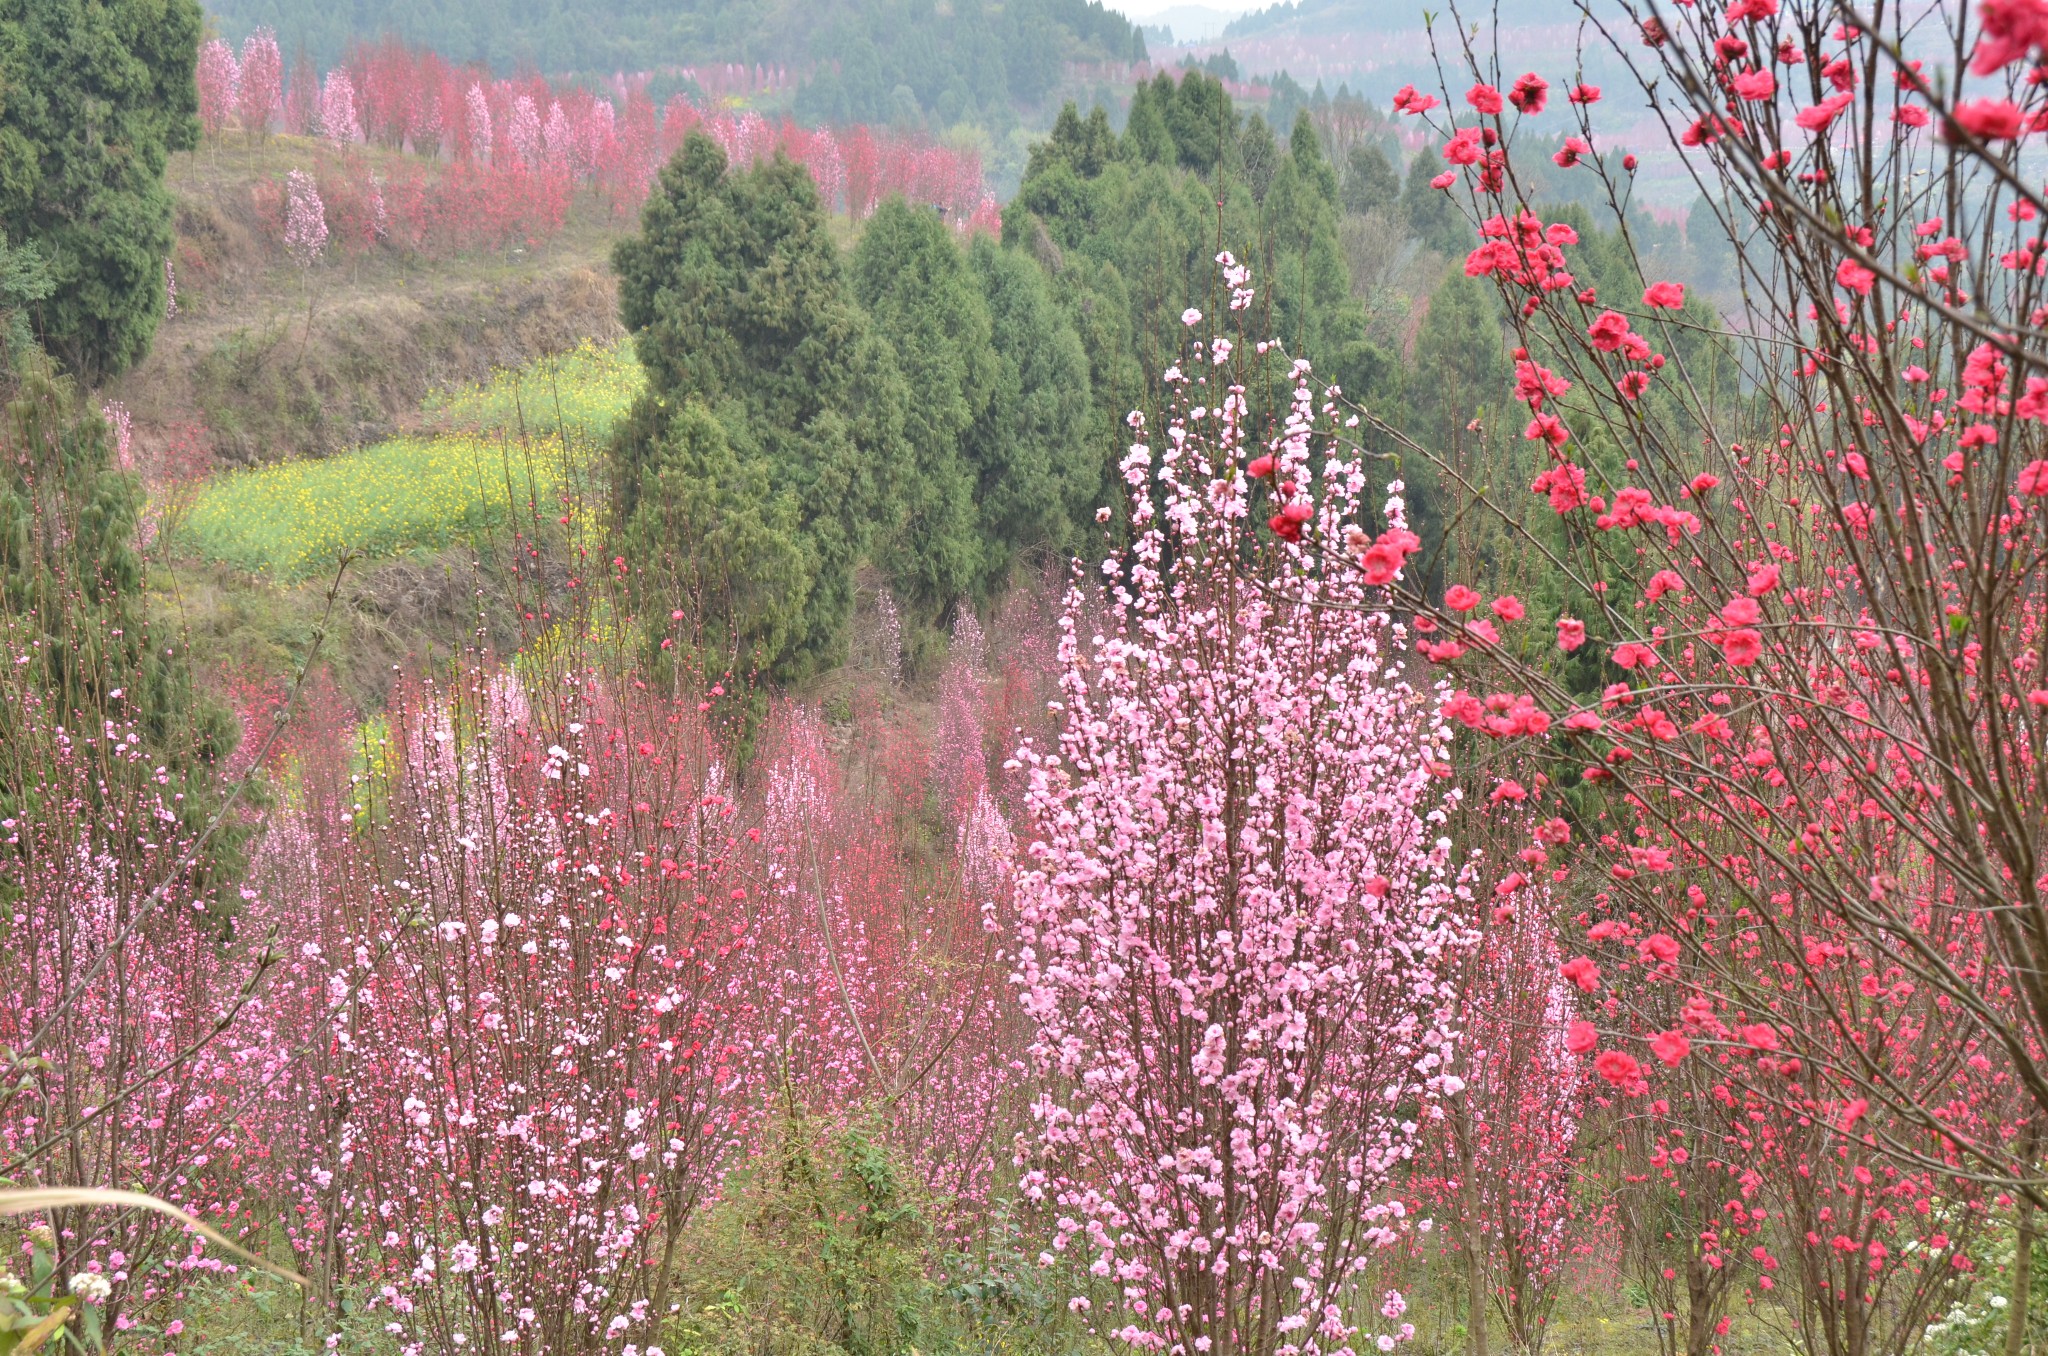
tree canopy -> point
(94, 96)
(765, 445)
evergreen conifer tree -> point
(923, 302)
(740, 313)
(94, 96)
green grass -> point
(298, 518)
(583, 391)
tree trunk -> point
(1475, 1261)
(1475, 1300)
(2022, 1283)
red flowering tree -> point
(1805, 551)
(1236, 916)
(1814, 591)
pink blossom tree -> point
(338, 122)
(476, 142)
(536, 1077)
(305, 225)
(216, 76)
(523, 131)
(1235, 920)
(1511, 1162)
(262, 84)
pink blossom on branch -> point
(1233, 925)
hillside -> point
(240, 376)
(972, 57)
(1339, 17)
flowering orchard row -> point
(498, 159)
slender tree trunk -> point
(2022, 1283)
(1475, 1299)
(1475, 1263)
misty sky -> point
(1146, 9)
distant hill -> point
(868, 56)
(1376, 46)
(1311, 17)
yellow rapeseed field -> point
(468, 476)
(298, 518)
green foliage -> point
(971, 61)
(94, 96)
(583, 392)
(1370, 183)
(72, 597)
(24, 281)
(1036, 466)
(1314, 313)
(923, 302)
(1258, 157)
(35, 1313)
(1980, 1322)
(819, 1251)
(1130, 242)
(737, 300)
(1084, 147)
(1462, 348)
(825, 1245)
(1201, 119)
(726, 543)
(1431, 215)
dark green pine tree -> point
(1146, 139)
(1433, 218)
(1315, 313)
(73, 598)
(1035, 464)
(1202, 122)
(1370, 184)
(1463, 375)
(740, 309)
(921, 300)
(94, 96)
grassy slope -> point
(237, 380)
(239, 367)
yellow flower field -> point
(298, 518)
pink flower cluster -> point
(1234, 925)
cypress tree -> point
(740, 311)
(73, 601)
(1370, 184)
(1035, 464)
(921, 300)
(1432, 217)
(94, 96)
